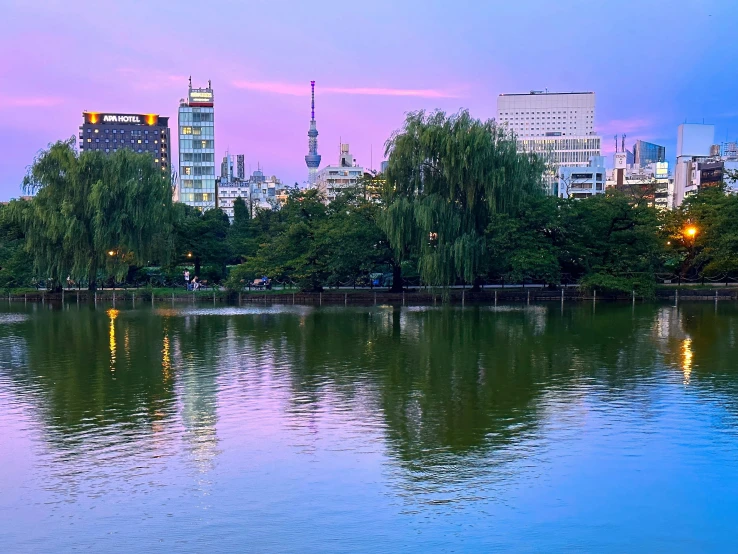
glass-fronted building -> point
(197, 148)
(646, 153)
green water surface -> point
(607, 428)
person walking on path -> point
(187, 279)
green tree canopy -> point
(16, 266)
(201, 238)
(526, 243)
(294, 249)
(94, 212)
(447, 176)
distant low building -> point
(258, 191)
(652, 183)
(583, 182)
(347, 174)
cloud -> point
(292, 89)
(627, 126)
(144, 79)
(29, 101)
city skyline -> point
(410, 57)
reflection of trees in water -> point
(447, 384)
(447, 379)
(103, 384)
(93, 366)
(704, 348)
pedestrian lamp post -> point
(690, 233)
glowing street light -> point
(111, 253)
(691, 232)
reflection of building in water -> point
(674, 342)
(537, 316)
(197, 392)
(13, 348)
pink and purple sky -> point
(653, 64)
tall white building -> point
(197, 149)
(694, 143)
(558, 126)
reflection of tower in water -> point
(197, 391)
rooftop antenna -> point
(209, 85)
(190, 82)
(623, 148)
(616, 144)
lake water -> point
(290, 429)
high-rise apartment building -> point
(240, 166)
(142, 133)
(197, 148)
(558, 126)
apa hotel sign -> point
(121, 118)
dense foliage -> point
(460, 206)
(447, 178)
(93, 212)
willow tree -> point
(446, 177)
(93, 212)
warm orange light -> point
(151, 119)
(93, 117)
(189, 254)
(111, 253)
(690, 231)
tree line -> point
(458, 205)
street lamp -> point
(691, 231)
(111, 253)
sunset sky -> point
(653, 64)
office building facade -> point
(646, 153)
(196, 123)
(560, 127)
(141, 133)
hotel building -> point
(557, 126)
(141, 133)
(196, 149)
